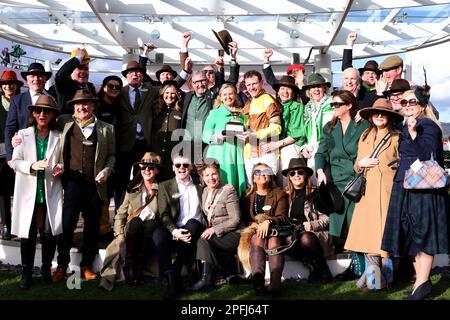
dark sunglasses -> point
(411, 102)
(338, 104)
(113, 86)
(40, 110)
(149, 166)
(264, 172)
(185, 165)
(300, 172)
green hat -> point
(316, 79)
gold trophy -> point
(234, 126)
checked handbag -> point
(430, 176)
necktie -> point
(137, 98)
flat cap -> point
(391, 62)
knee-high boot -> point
(27, 252)
(131, 259)
(205, 280)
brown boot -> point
(60, 274)
(88, 274)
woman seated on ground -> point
(220, 205)
(263, 205)
(137, 219)
(313, 242)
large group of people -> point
(202, 178)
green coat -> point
(229, 154)
(339, 152)
(293, 121)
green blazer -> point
(129, 117)
(169, 205)
(338, 153)
(104, 154)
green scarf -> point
(368, 87)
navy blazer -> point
(428, 141)
(17, 119)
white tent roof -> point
(111, 28)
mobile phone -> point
(221, 53)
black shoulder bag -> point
(355, 189)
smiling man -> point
(88, 152)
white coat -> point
(26, 183)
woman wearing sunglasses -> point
(369, 216)
(313, 242)
(263, 205)
(108, 99)
(337, 151)
(37, 204)
(166, 119)
(417, 220)
(136, 221)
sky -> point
(435, 60)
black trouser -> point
(80, 197)
(218, 250)
(162, 239)
(28, 246)
(6, 191)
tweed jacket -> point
(129, 117)
(169, 203)
(104, 153)
(226, 214)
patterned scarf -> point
(84, 123)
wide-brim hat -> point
(327, 198)
(166, 68)
(398, 85)
(286, 81)
(36, 68)
(297, 163)
(224, 38)
(383, 105)
(370, 65)
(316, 79)
(131, 66)
(83, 95)
(46, 102)
(10, 77)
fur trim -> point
(243, 249)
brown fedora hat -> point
(286, 81)
(297, 163)
(82, 95)
(10, 77)
(370, 65)
(398, 85)
(383, 105)
(46, 102)
(166, 68)
(224, 38)
(131, 66)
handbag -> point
(284, 230)
(355, 188)
(430, 176)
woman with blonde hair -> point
(225, 147)
(166, 119)
(417, 219)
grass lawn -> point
(153, 291)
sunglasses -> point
(184, 165)
(378, 114)
(338, 104)
(41, 110)
(149, 166)
(264, 172)
(411, 102)
(113, 86)
(300, 172)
